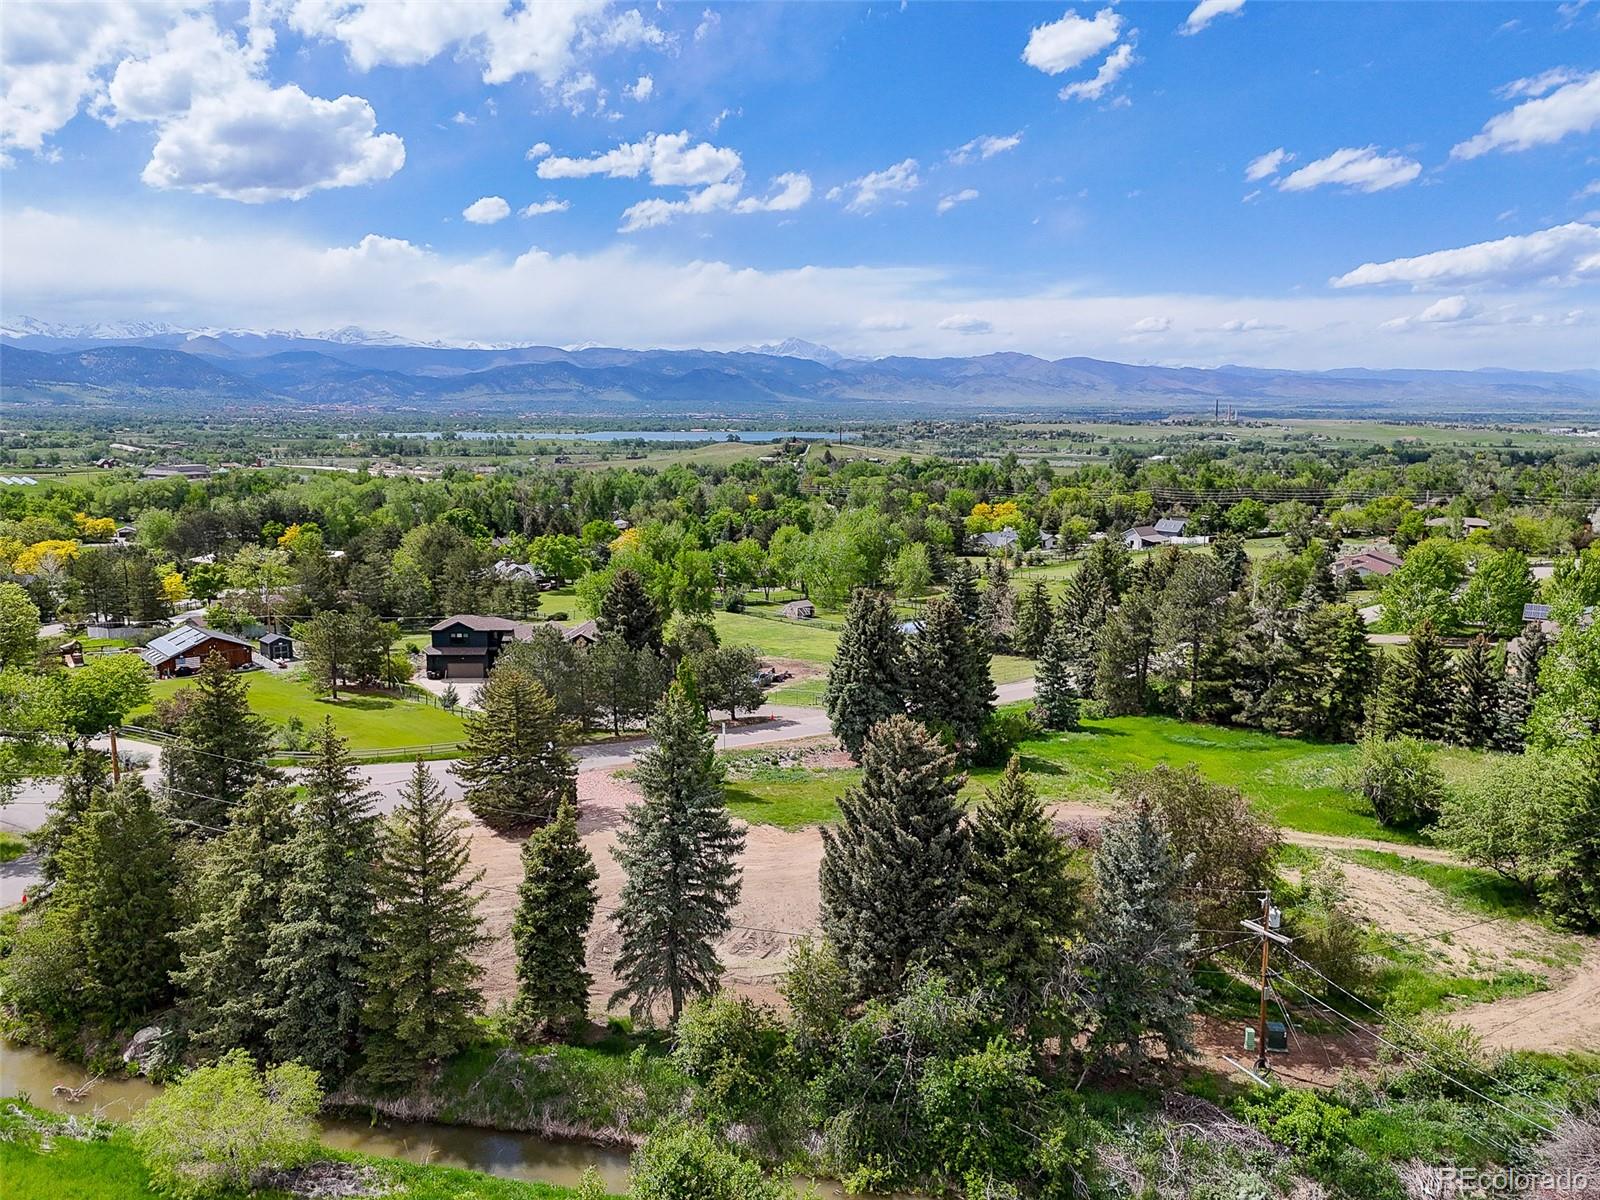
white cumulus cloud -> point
(669, 159)
(487, 210)
(1360, 169)
(1059, 46)
(1118, 61)
(1564, 253)
(789, 191)
(1266, 165)
(946, 203)
(540, 207)
(642, 90)
(261, 143)
(1447, 311)
(865, 193)
(986, 146)
(966, 323)
(1208, 11)
(1573, 107)
(1151, 325)
(537, 150)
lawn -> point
(110, 1169)
(1299, 785)
(370, 722)
(12, 846)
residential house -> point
(185, 650)
(1367, 562)
(1167, 529)
(584, 634)
(515, 572)
(1000, 540)
(178, 471)
(466, 646)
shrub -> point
(817, 989)
(735, 1051)
(42, 974)
(976, 1110)
(1399, 779)
(684, 1162)
(1002, 733)
(218, 1127)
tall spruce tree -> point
(629, 610)
(997, 609)
(115, 891)
(866, 683)
(1572, 891)
(1518, 689)
(316, 963)
(948, 660)
(555, 907)
(225, 995)
(963, 591)
(1323, 693)
(1055, 693)
(1189, 615)
(422, 981)
(514, 767)
(1125, 643)
(1135, 957)
(892, 870)
(219, 752)
(1019, 901)
(1035, 617)
(1415, 698)
(679, 850)
(83, 786)
(1477, 695)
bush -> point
(219, 1127)
(818, 991)
(976, 1110)
(42, 974)
(1399, 779)
(684, 1162)
(735, 1051)
(1002, 733)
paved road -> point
(781, 723)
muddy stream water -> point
(33, 1073)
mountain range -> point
(155, 365)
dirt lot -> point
(779, 899)
(780, 902)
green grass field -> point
(1299, 785)
(370, 722)
(12, 846)
(110, 1169)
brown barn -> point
(182, 651)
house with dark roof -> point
(466, 646)
(185, 650)
(585, 634)
(1002, 539)
(1143, 537)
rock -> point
(145, 1050)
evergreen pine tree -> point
(628, 609)
(1136, 953)
(1415, 697)
(514, 767)
(1018, 901)
(219, 752)
(1055, 694)
(679, 850)
(963, 591)
(1228, 550)
(422, 982)
(1125, 643)
(225, 995)
(1477, 696)
(892, 869)
(1324, 692)
(555, 908)
(83, 786)
(948, 663)
(1035, 618)
(117, 876)
(316, 963)
(1518, 689)
(866, 681)
(997, 609)
(1572, 890)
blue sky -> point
(1295, 184)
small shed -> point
(278, 647)
(799, 610)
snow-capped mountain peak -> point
(796, 348)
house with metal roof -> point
(466, 646)
(185, 650)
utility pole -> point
(1266, 930)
